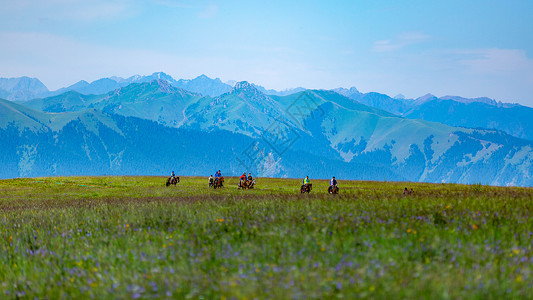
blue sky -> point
(467, 48)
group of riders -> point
(245, 182)
(307, 186)
(248, 182)
(217, 181)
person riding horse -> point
(218, 180)
(333, 188)
(211, 181)
(306, 186)
(251, 181)
(242, 179)
(173, 179)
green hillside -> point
(156, 100)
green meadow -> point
(132, 237)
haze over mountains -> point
(151, 124)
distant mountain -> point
(100, 86)
(156, 100)
(350, 93)
(382, 101)
(474, 100)
(317, 132)
(106, 85)
(514, 119)
(279, 93)
(21, 88)
(203, 85)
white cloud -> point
(209, 12)
(74, 10)
(400, 41)
(497, 61)
(175, 3)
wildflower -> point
(448, 206)
(516, 251)
(474, 226)
(409, 230)
(372, 288)
(518, 279)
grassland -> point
(131, 237)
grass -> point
(130, 237)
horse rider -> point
(211, 180)
(306, 181)
(251, 180)
(243, 178)
(172, 176)
(333, 182)
(218, 175)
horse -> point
(218, 182)
(172, 180)
(247, 184)
(333, 189)
(306, 188)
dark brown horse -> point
(247, 184)
(219, 182)
(333, 190)
(306, 188)
(173, 180)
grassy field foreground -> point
(131, 237)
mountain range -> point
(311, 132)
(513, 119)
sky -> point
(468, 48)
